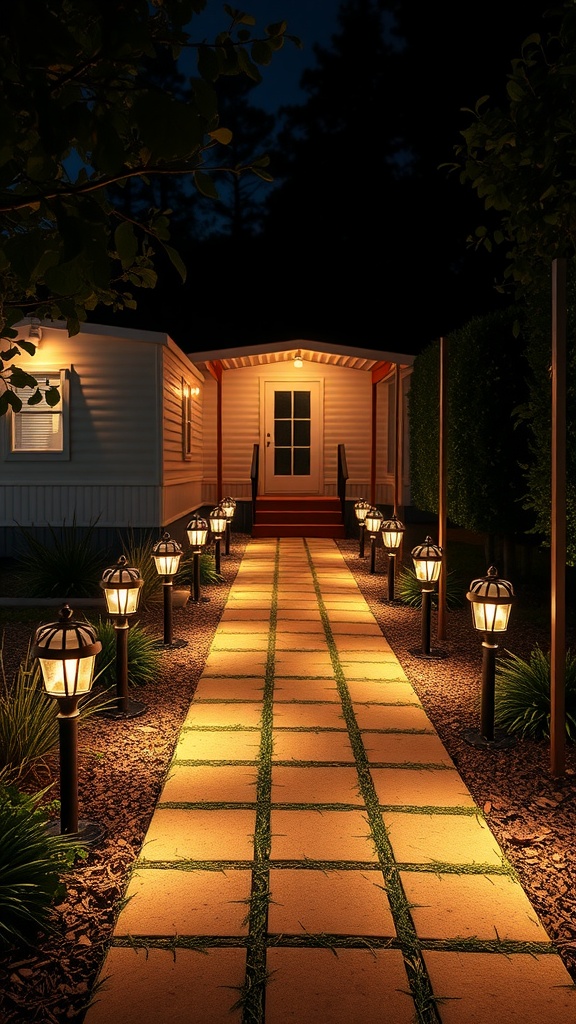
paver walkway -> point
(315, 857)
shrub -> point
(31, 862)
(409, 591)
(28, 719)
(144, 656)
(522, 697)
(208, 574)
(70, 566)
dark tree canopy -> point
(91, 100)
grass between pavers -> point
(258, 940)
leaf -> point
(221, 135)
(126, 243)
(205, 185)
(176, 260)
(52, 397)
(9, 400)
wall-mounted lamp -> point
(35, 333)
(195, 392)
(298, 361)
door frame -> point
(294, 382)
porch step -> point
(298, 516)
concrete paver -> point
(313, 845)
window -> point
(39, 431)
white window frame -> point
(60, 377)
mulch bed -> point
(123, 764)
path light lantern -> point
(361, 509)
(392, 532)
(197, 531)
(218, 525)
(427, 559)
(229, 506)
(373, 522)
(167, 554)
(491, 602)
(66, 651)
(122, 586)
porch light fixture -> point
(122, 586)
(35, 333)
(218, 525)
(66, 651)
(167, 554)
(392, 533)
(229, 506)
(373, 523)
(491, 602)
(361, 509)
(298, 361)
(427, 559)
(197, 531)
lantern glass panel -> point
(427, 569)
(122, 600)
(167, 565)
(373, 522)
(67, 677)
(490, 618)
(392, 539)
(218, 523)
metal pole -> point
(68, 735)
(361, 536)
(121, 627)
(167, 611)
(558, 523)
(426, 608)
(196, 591)
(228, 532)
(217, 554)
(391, 561)
(372, 554)
(442, 490)
(488, 689)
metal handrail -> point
(254, 477)
(342, 477)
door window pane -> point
(282, 461)
(282, 405)
(302, 405)
(302, 432)
(283, 432)
(301, 462)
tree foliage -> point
(83, 112)
(485, 446)
(520, 156)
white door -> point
(292, 437)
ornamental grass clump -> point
(144, 658)
(522, 697)
(29, 719)
(409, 589)
(32, 860)
(70, 566)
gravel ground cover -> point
(122, 765)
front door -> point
(292, 437)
